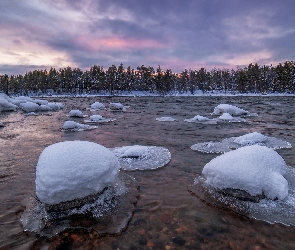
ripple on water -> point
(109, 214)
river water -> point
(167, 214)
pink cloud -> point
(117, 43)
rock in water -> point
(73, 170)
(258, 170)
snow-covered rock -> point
(76, 113)
(6, 105)
(29, 106)
(97, 105)
(227, 108)
(258, 170)
(74, 169)
(99, 119)
(73, 125)
(55, 105)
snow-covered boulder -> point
(255, 169)
(29, 106)
(55, 105)
(74, 169)
(227, 108)
(97, 105)
(73, 125)
(6, 105)
(76, 113)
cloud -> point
(179, 34)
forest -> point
(97, 80)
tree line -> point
(251, 79)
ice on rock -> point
(227, 108)
(79, 179)
(74, 169)
(142, 157)
(228, 144)
(99, 119)
(76, 113)
(258, 170)
(201, 119)
(211, 147)
(75, 126)
(97, 106)
(229, 118)
(165, 119)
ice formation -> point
(99, 119)
(227, 108)
(258, 170)
(97, 106)
(227, 117)
(228, 144)
(108, 214)
(142, 157)
(74, 169)
(75, 126)
(166, 119)
(76, 113)
(201, 119)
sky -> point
(175, 34)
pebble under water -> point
(170, 213)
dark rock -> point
(242, 195)
(178, 241)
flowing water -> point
(167, 214)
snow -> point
(6, 105)
(29, 106)
(251, 138)
(95, 118)
(166, 119)
(254, 169)
(97, 105)
(75, 126)
(116, 106)
(76, 113)
(142, 157)
(99, 119)
(201, 119)
(74, 169)
(226, 116)
(227, 108)
(55, 105)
